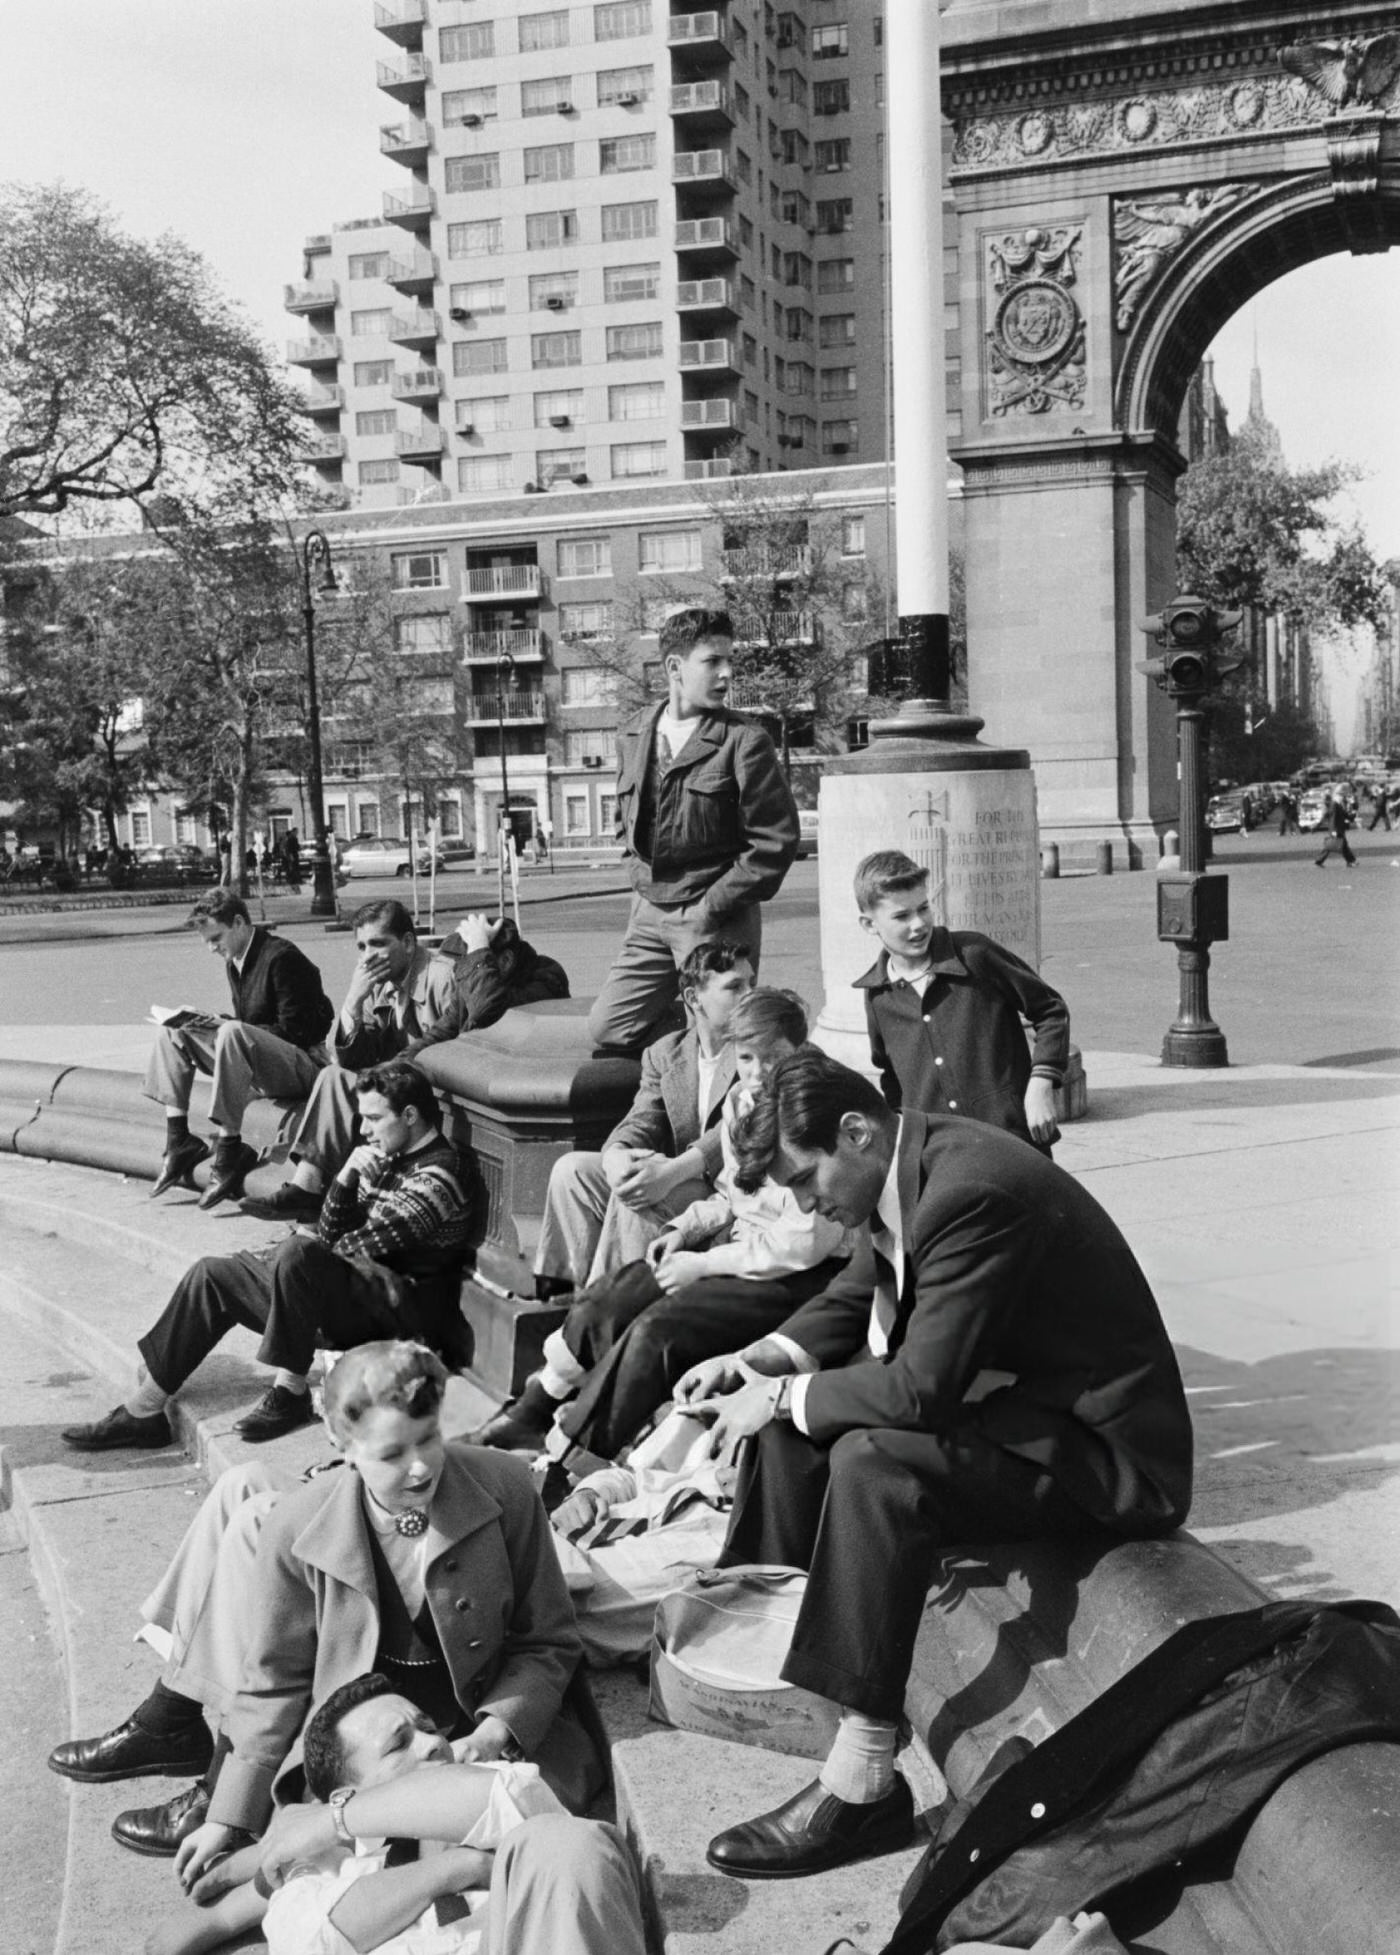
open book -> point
(183, 1018)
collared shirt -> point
(887, 1240)
(675, 733)
(706, 1066)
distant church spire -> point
(1258, 430)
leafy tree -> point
(123, 372)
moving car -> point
(1225, 813)
(384, 855)
(1312, 809)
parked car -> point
(176, 859)
(806, 832)
(1312, 809)
(1225, 813)
(383, 855)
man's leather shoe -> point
(128, 1752)
(523, 1425)
(276, 1412)
(286, 1204)
(813, 1831)
(227, 1176)
(158, 1830)
(178, 1166)
(119, 1429)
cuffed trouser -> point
(329, 1123)
(587, 1234)
(869, 1517)
(643, 985)
(246, 1062)
(564, 1885)
(298, 1294)
(636, 1341)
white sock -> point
(292, 1381)
(562, 1373)
(860, 1765)
(148, 1398)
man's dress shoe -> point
(813, 1831)
(523, 1425)
(179, 1164)
(129, 1752)
(120, 1429)
(228, 1174)
(276, 1412)
(158, 1830)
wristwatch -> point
(780, 1399)
(337, 1802)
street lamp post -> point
(316, 563)
(505, 667)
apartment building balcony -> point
(406, 142)
(317, 244)
(422, 384)
(311, 295)
(421, 328)
(413, 275)
(485, 584)
(715, 236)
(325, 448)
(718, 416)
(323, 350)
(702, 101)
(767, 560)
(421, 444)
(707, 295)
(709, 356)
(752, 696)
(406, 80)
(514, 708)
(781, 628)
(490, 647)
(704, 169)
(322, 400)
(403, 22)
(414, 212)
(705, 34)
(712, 469)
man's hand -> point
(651, 1181)
(479, 932)
(580, 1510)
(388, 1284)
(359, 1160)
(682, 1267)
(737, 1416)
(489, 1740)
(365, 976)
(669, 1244)
(297, 1833)
(199, 1848)
(619, 1163)
(1040, 1110)
(709, 1379)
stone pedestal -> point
(522, 1092)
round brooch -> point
(413, 1523)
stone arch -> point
(1273, 232)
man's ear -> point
(857, 1129)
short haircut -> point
(889, 872)
(683, 630)
(402, 1085)
(221, 906)
(323, 1754)
(802, 1106)
(767, 1014)
(712, 959)
(388, 912)
(404, 1377)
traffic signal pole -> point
(1192, 907)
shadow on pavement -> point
(1203, 1095)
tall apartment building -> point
(630, 242)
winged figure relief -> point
(1149, 231)
(1346, 73)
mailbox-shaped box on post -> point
(1193, 909)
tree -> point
(123, 372)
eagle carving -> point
(1347, 74)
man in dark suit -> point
(868, 1460)
(272, 1047)
(603, 1209)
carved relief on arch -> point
(1035, 342)
(1148, 232)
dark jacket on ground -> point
(958, 1046)
(488, 991)
(1010, 1265)
(719, 822)
(279, 988)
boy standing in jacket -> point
(944, 1008)
(708, 824)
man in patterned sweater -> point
(384, 1262)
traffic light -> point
(1191, 633)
